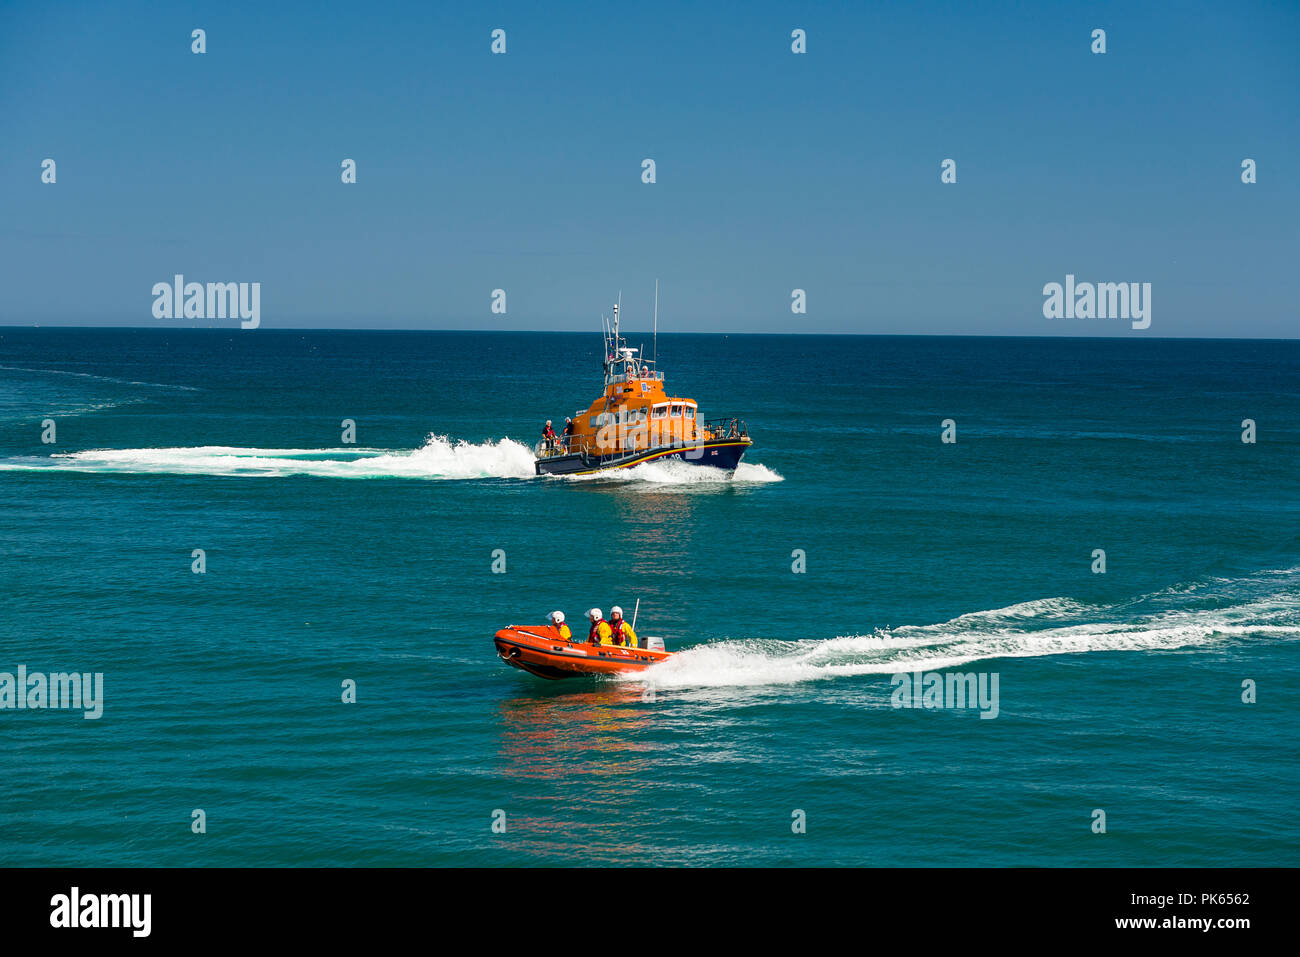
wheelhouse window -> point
(690, 412)
(677, 412)
(660, 412)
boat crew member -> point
(600, 633)
(568, 430)
(548, 435)
(557, 622)
(620, 630)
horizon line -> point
(577, 332)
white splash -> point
(438, 458)
(664, 472)
(1052, 626)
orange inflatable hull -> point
(539, 650)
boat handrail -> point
(545, 450)
(643, 376)
(588, 443)
(726, 427)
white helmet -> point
(595, 614)
(616, 611)
(557, 617)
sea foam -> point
(1051, 626)
(441, 457)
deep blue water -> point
(373, 562)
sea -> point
(286, 553)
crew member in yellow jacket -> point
(557, 622)
(600, 631)
(621, 632)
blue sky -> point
(775, 171)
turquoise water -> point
(374, 562)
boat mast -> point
(612, 341)
(604, 335)
(656, 358)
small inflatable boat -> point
(539, 650)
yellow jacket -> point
(629, 636)
(604, 633)
(565, 633)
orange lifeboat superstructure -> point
(636, 420)
(539, 650)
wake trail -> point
(100, 378)
(1263, 606)
(440, 458)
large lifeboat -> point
(539, 650)
(636, 420)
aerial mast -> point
(656, 340)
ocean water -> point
(373, 562)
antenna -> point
(656, 323)
(604, 351)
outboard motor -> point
(654, 644)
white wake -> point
(1053, 626)
(439, 458)
(664, 472)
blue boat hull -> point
(724, 454)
